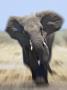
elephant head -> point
(30, 31)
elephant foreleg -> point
(46, 74)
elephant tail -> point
(50, 70)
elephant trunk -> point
(41, 49)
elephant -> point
(35, 34)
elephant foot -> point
(46, 77)
(46, 81)
(39, 81)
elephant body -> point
(28, 60)
(35, 35)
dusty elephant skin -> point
(35, 35)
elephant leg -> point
(49, 41)
(49, 57)
(33, 75)
(28, 61)
(46, 76)
(44, 61)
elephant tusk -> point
(31, 48)
(39, 62)
(46, 47)
(31, 45)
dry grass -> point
(59, 63)
(12, 70)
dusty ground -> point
(15, 76)
(32, 86)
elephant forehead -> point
(32, 23)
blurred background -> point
(12, 69)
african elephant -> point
(34, 33)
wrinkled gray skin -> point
(34, 33)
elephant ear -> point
(51, 21)
(14, 27)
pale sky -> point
(25, 7)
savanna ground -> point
(15, 76)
